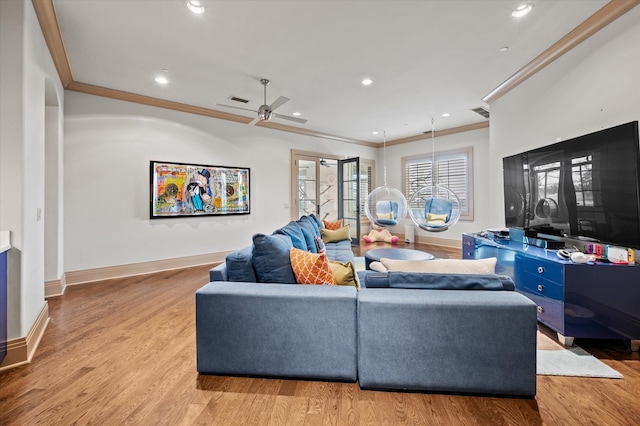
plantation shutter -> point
(451, 170)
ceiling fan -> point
(265, 112)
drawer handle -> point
(540, 287)
(540, 309)
(540, 270)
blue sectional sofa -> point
(413, 331)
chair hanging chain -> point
(434, 179)
(384, 154)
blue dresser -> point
(576, 300)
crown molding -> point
(156, 102)
(603, 17)
(438, 133)
(45, 12)
(302, 131)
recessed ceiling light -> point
(504, 48)
(446, 114)
(521, 10)
(161, 79)
(195, 6)
(375, 132)
(297, 114)
(366, 82)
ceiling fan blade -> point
(235, 107)
(286, 117)
(278, 103)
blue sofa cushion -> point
(240, 266)
(309, 233)
(270, 259)
(420, 280)
(293, 230)
(318, 222)
(314, 224)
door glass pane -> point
(351, 198)
(306, 187)
(328, 189)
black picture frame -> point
(188, 190)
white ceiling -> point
(425, 57)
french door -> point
(327, 187)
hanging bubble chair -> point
(385, 206)
(434, 208)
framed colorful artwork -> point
(179, 190)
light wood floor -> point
(122, 351)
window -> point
(453, 169)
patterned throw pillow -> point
(332, 225)
(311, 268)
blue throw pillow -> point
(240, 266)
(309, 233)
(293, 230)
(271, 259)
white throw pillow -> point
(377, 266)
(442, 266)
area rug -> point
(553, 359)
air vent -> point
(237, 99)
(480, 110)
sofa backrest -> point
(428, 281)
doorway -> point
(331, 188)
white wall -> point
(25, 65)
(479, 141)
(595, 86)
(108, 147)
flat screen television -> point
(585, 188)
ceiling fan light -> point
(195, 6)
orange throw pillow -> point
(332, 225)
(311, 268)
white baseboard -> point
(55, 287)
(20, 351)
(119, 271)
(443, 242)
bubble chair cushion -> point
(435, 209)
(386, 206)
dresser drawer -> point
(550, 312)
(535, 284)
(544, 268)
